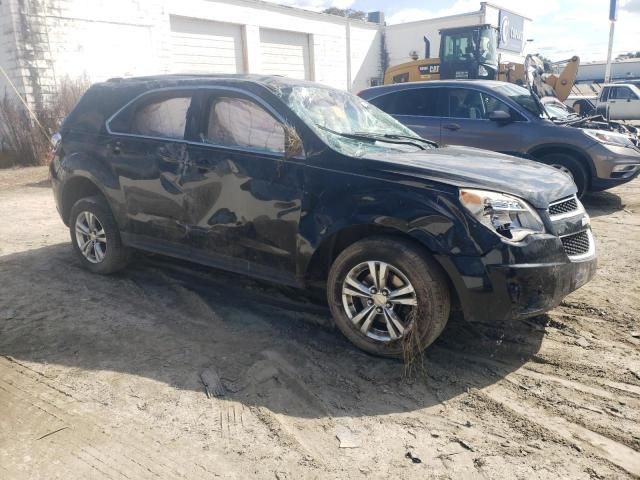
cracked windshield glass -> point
(349, 124)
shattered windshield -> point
(338, 116)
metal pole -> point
(348, 35)
(607, 72)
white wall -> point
(619, 70)
(365, 56)
(110, 38)
(7, 45)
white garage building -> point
(42, 41)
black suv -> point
(305, 185)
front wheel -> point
(388, 297)
(95, 236)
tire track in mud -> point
(269, 375)
(563, 426)
(90, 443)
(606, 448)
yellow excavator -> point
(471, 53)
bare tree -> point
(346, 12)
(23, 141)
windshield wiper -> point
(408, 137)
(376, 137)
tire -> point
(423, 321)
(572, 166)
(109, 255)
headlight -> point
(611, 138)
(510, 217)
(482, 71)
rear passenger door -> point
(146, 149)
(418, 108)
(467, 121)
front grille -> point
(564, 206)
(576, 244)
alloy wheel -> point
(379, 300)
(91, 237)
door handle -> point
(117, 148)
(451, 126)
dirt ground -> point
(100, 376)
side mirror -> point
(500, 116)
(292, 143)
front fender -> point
(430, 216)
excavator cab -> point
(469, 52)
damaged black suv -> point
(305, 185)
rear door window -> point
(166, 118)
(155, 115)
(421, 102)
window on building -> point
(423, 102)
(237, 122)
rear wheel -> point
(572, 167)
(95, 236)
(388, 297)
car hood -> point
(475, 168)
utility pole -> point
(613, 13)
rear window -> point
(422, 102)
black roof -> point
(183, 79)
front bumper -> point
(494, 292)
(614, 165)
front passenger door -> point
(468, 121)
(624, 104)
(243, 197)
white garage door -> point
(202, 46)
(284, 53)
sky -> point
(560, 28)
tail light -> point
(56, 138)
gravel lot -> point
(99, 376)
